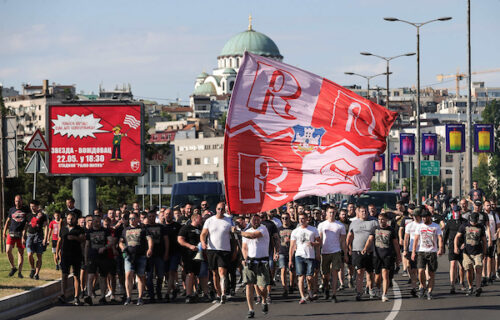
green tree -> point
(491, 115)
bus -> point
(196, 191)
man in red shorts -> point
(14, 231)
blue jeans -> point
(304, 266)
(155, 264)
(137, 265)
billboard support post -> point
(84, 192)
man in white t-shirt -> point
(255, 251)
(304, 243)
(333, 236)
(216, 238)
(427, 245)
(408, 248)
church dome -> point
(229, 71)
(251, 41)
(206, 89)
(202, 75)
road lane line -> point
(201, 314)
(212, 308)
(397, 301)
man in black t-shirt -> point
(35, 242)
(285, 231)
(405, 195)
(98, 241)
(189, 239)
(136, 244)
(476, 193)
(70, 207)
(174, 255)
(449, 233)
(274, 245)
(14, 232)
(69, 249)
(473, 236)
(386, 252)
(160, 254)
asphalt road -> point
(444, 306)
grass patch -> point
(12, 285)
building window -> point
(231, 85)
(216, 175)
(197, 161)
(216, 160)
(188, 162)
(448, 171)
(206, 160)
(207, 147)
(449, 182)
(449, 158)
(179, 161)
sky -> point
(159, 47)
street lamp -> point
(367, 79)
(417, 111)
(388, 158)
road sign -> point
(430, 167)
(37, 142)
(34, 167)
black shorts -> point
(100, 265)
(120, 265)
(380, 263)
(68, 262)
(191, 265)
(54, 243)
(349, 258)
(362, 261)
(490, 252)
(452, 256)
(218, 259)
(427, 259)
(413, 263)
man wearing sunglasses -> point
(285, 231)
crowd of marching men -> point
(203, 255)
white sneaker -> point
(109, 293)
(384, 298)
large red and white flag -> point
(291, 134)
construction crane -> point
(460, 76)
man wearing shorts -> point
(216, 238)
(69, 249)
(473, 236)
(408, 248)
(14, 231)
(98, 241)
(304, 245)
(449, 233)
(35, 240)
(285, 231)
(493, 224)
(333, 236)
(429, 240)
(53, 234)
(255, 251)
(136, 244)
(359, 231)
(172, 228)
(386, 252)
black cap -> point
(453, 200)
(478, 203)
(425, 213)
(411, 206)
(474, 217)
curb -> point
(13, 306)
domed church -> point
(212, 92)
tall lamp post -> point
(367, 79)
(417, 111)
(388, 158)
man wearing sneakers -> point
(359, 231)
(285, 231)
(473, 236)
(216, 238)
(53, 234)
(427, 245)
(14, 231)
(386, 252)
(98, 241)
(449, 233)
(136, 244)
(333, 236)
(304, 244)
(255, 251)
(408, 248)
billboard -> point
(395, 160)
(429, 144)
(455, 138)
(484, 140)
(95, 139)
(379, 164)
(407, 144)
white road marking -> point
(212, 308)
(397, 301)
